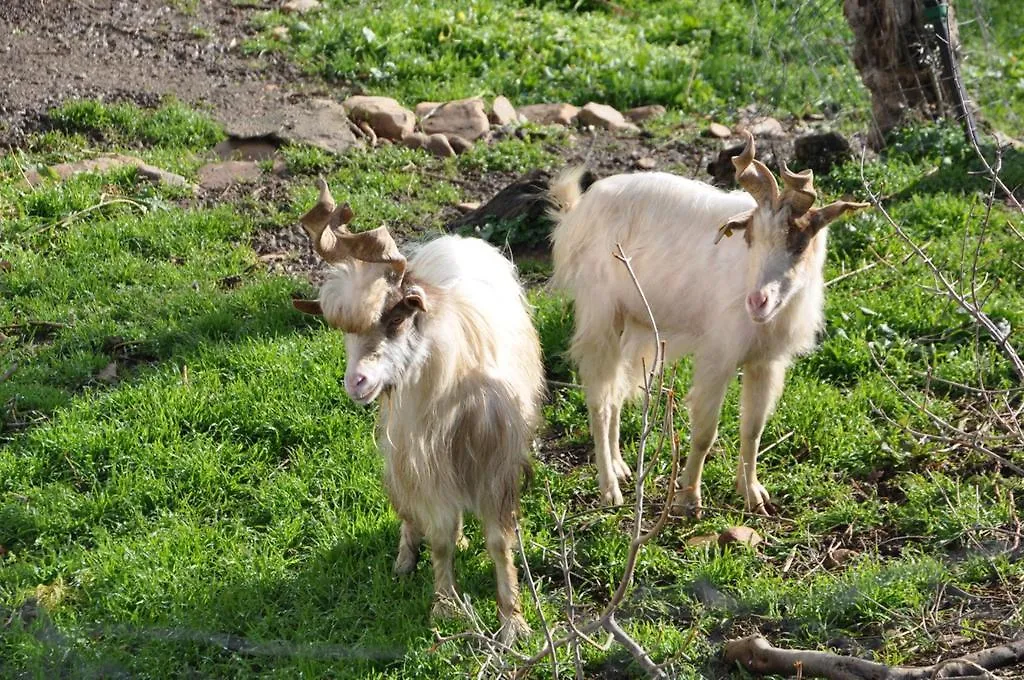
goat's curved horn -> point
(376, 245)
(799, 190)
(754, 176)
(321, 219)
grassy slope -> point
(226, 486)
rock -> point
(106, 163)
(108, 374)
(646, 163)
(467, 207)
(299, 6)
(465, 118)
(838, 556)
(459, 144)
(318, 122)
(438, 145)
(642, 113)
(604, 117)
(220, 176)
(550, 114)
(820, 151)
(765, 127)
(160, 176)
(744, 535)
(280, 33)
(415, 140)
(701, 541)
(718, 130)
(386, 116)
(423, 109)
(322, 123)
(246, 149)
(502, 111)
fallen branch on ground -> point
(757, 655)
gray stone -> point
(424, 108)
(386, 116)
(646, 163)
(438, 145)
(459, 144)
(604, 117)
(415, 140)
(246, 149)
(322, 123)
(465, 118)
(220, 176)
(718, 130)
(502, 111)
(642, 113)
(765, 127)
(550, 114)
(820, 151)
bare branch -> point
(758, 656)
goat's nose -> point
(757, 300)
(355, 381)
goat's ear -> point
(735, 223)
(308, 306)
(821, 217)
(416, 298)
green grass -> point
(216, 510)
(700, 57)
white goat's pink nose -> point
(757, 301)
(355, 382)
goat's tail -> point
(565, 191)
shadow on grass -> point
(341, 611)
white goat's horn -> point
(754, 176)
(799, 190)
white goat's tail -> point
(565, 192)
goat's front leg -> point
(705, 401)
(762, 385)
(408, 548)
(442, 536)
(500, 540)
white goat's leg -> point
(762, 385)
(500, 541)
(408, 548)
(442, 536)
(710, 381)
(622, 471)
(599, 372)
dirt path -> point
(139, 50)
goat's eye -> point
(395, 323)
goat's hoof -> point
(611, 497)
(757, 500)
(461, 542)
(515, 628)
(622, 471)
(686, 502)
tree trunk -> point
(899, 55)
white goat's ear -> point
(735, 223)
(415, 297)
(821, 217)
(308, 306)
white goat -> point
(753, 303)
(446, 341)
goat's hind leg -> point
(500, 540)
